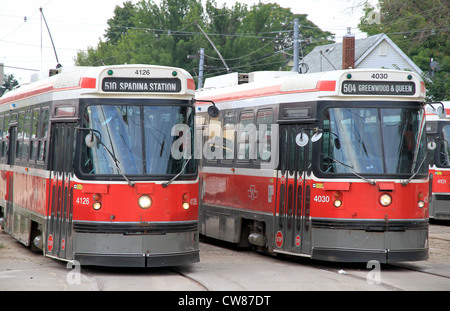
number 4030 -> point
(321, 198)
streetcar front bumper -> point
(136, 244)
(353, 241)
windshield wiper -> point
(404, 183)
(351, 169)
(113, 157)
(165, 184)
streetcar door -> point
(60, 206)
(11, 156)
(302, 230)
(292, 228)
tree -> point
(421, 29)
(9, 83)
(250, 39)
(120, 22)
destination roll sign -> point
(378, 88)
(141, 85)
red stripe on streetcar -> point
(191, 84)
(88, 83)
(326, 86)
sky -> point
(26, 48)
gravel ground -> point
(439, 242)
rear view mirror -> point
(213, 111)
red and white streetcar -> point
(87, 167)
(331, 165)
(438, 132)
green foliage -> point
(8, 84)
(421, 29)
(250, 39)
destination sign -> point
(141, 85)
(378, 88)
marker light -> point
(421, 204)
(385, 199)
(110, 72)
(145, 201)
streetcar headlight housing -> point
(385, 199)
(185, 198)
(145, 201)
(97, 197)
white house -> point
(377, 51)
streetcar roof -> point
(88, 78)
(265, 83)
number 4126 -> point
(82, 200)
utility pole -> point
(215, 49)
(2, 74)
(200, 68)
(296, 41)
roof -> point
(329, 57)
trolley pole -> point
(200, 68)
(296, 49)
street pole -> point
(200, 68)
(296, 40)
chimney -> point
(348, 50)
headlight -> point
(186, 205)
(385, 199)
(421, 204)
(145, 201)
(97, 206)
(337, 203)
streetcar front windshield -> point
(138, 140)
(373, 141)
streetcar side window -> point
(229, 121)
(5, 143)
(19, 142)
(42, 133)
(246, 136)
(444, 156)
(26, 135)
(34, 142)
(213, 140)
(264, 120)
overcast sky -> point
(75, 25)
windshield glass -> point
(139, 138)
(373, 141)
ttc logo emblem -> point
(252, 193)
